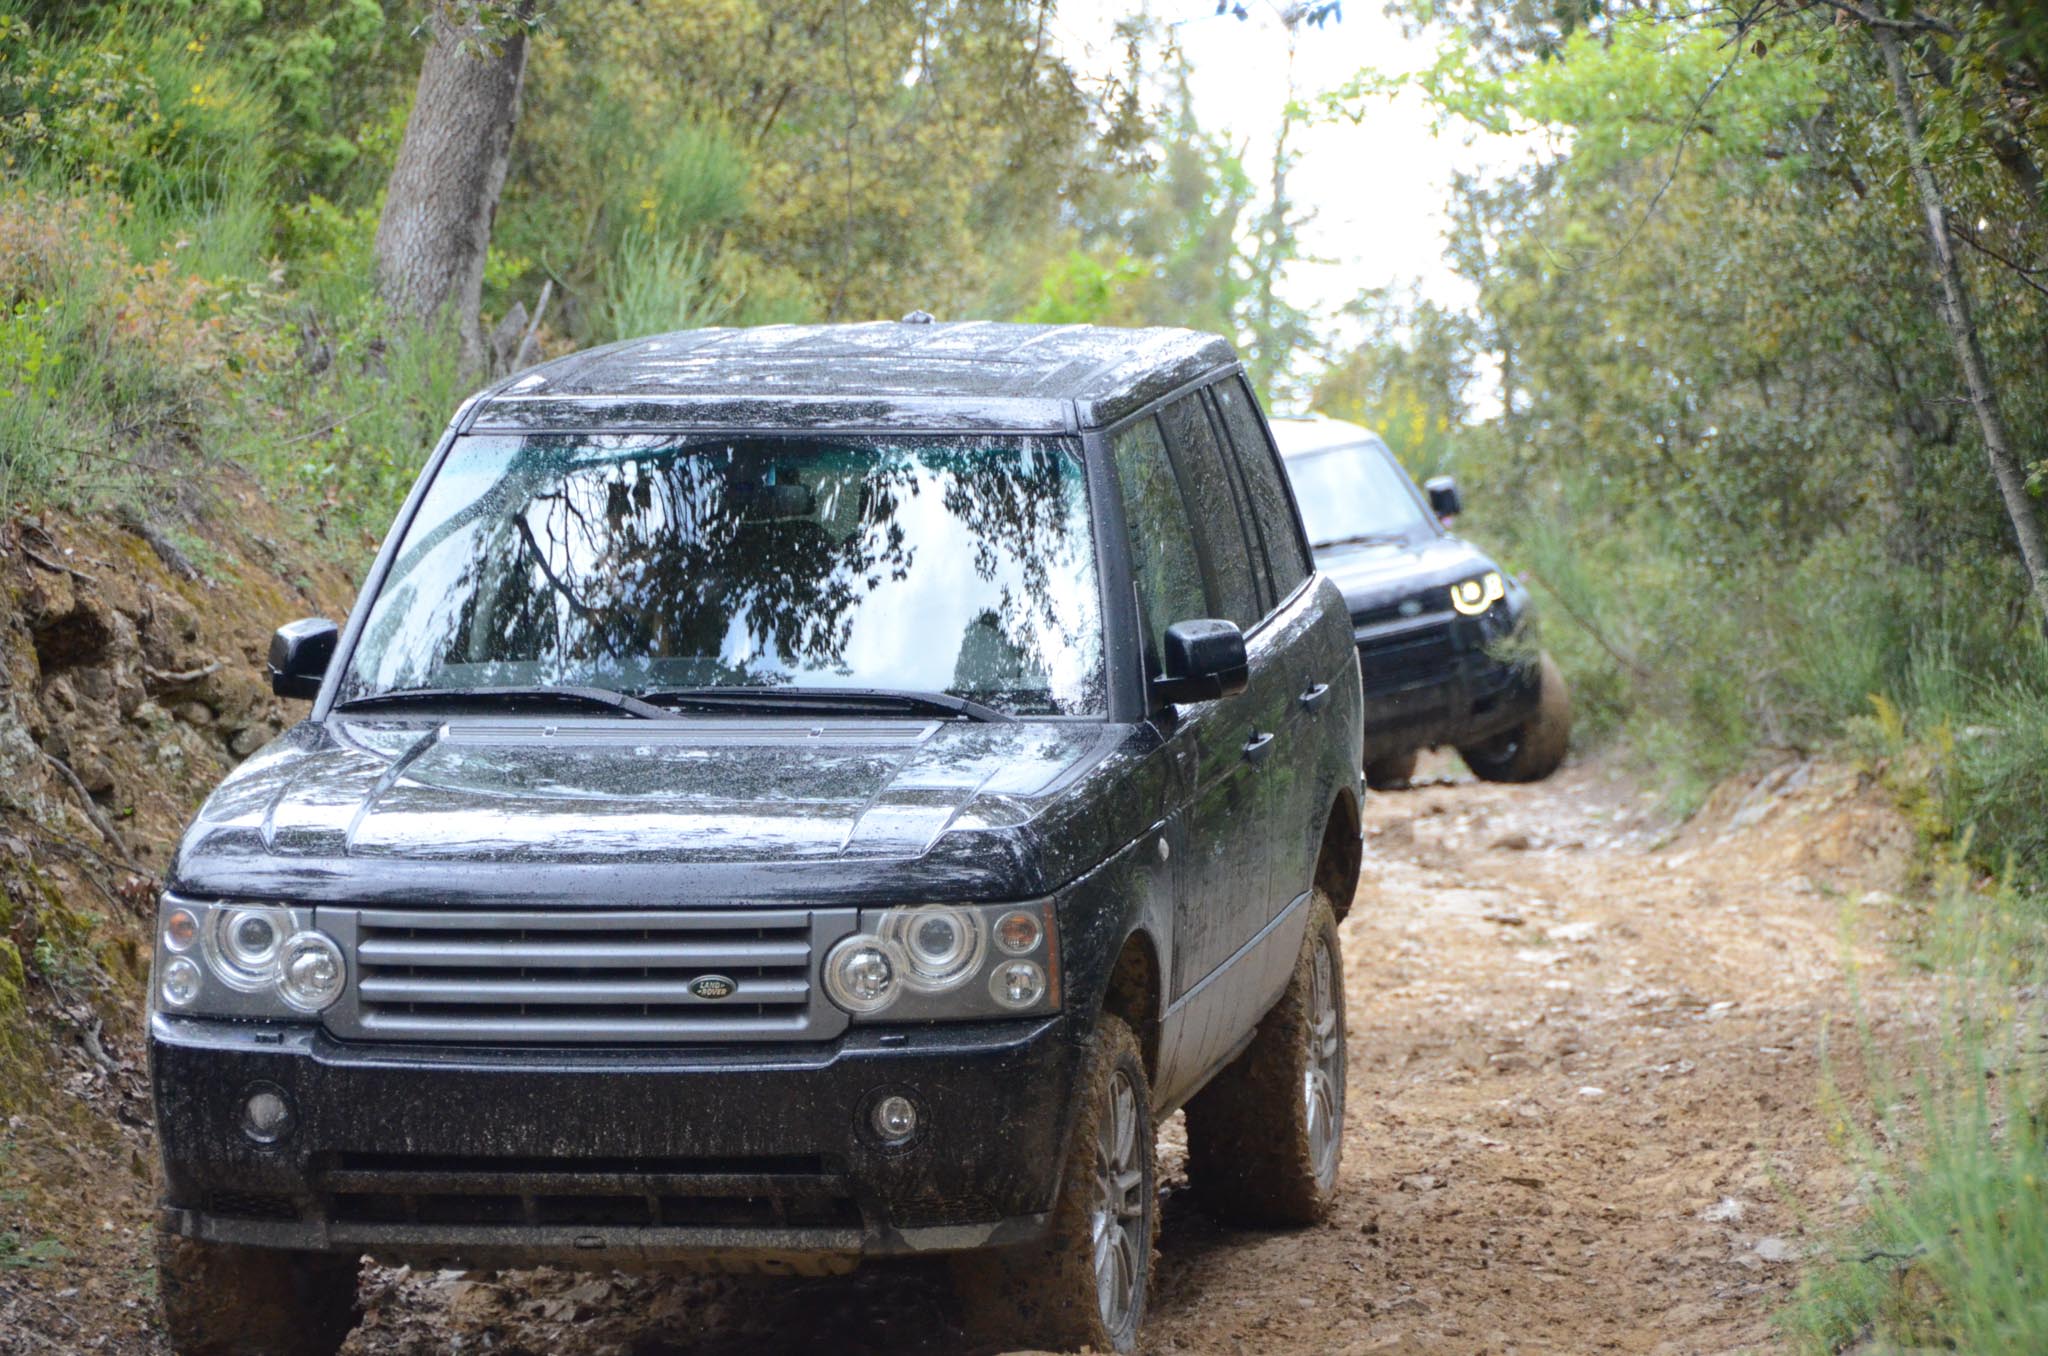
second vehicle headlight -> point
(941, 962)
(1474, 596)
(243, 960)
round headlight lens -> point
(944, 946)
(312, 974)
(242, 945)
(1017, 984)
(252, 939)
(180, 982)
(1017, 933)
(861, 974)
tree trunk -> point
(1962, 328)
(444, 188)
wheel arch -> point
(1342, 853)
(1136, 994)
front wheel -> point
(1084, 1283)
(220, 1299)
(1535, 748)
(1265, 1137)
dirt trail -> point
(1585, 1107)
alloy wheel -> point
(1120, 1233)
(1324, 1080)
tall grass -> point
(1952, 1253)
(653, 284)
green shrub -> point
(1952, 1254)
(1996, 780)
(652, 285)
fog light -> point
(180, 982)
(894, 1118)
(266, 1116)
(1017, 984)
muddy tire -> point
(1535, 748)
(219, 1299)
(1084, 1283)
(1392, 772)
(1266, 1136)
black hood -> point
(1378, 574)
(725, 811)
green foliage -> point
(1407, 381)
(1953, 1253)
(192, 190)
(1177, 246)
(652, 285)
(1730, 454)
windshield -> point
(1354, 492)
(637, 563)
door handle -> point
(1313, 699)
(1258, 746)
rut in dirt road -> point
(1585, 1108)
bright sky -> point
(1378, 190)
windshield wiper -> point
(854, 698)
(562, 696)
(1359, 539)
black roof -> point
(884, 375)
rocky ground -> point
(1588, 1112)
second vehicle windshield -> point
(1354, 493)
(646, 563)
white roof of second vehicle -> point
(1300, 435)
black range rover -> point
(1446, 638)
(783, 797)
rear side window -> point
(1164, 567)
(1286, 554)
(1212, 497)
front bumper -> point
(1437, 679)
(753, 1159)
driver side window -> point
(1164, 568)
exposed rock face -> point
(114, 690)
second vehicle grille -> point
(1419, 652)
(588, 977)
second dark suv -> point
(783, 797)
(1446, 638)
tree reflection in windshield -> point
(637, 563)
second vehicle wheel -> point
(1535, 748)
(219, 1299)
(1084, 1283)
(1266, 1136)
(1392, 772)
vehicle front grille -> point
(586, 977)
(1430, 600)
(1421, 652)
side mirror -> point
(1444, 499)
(299, 654)
(1204, 660)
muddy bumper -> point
(1439, 682)
(755, 1161)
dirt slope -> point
(1586, 1107)
(130, 682)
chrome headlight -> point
(1474, 596)
(945, 962)
(243, 960)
